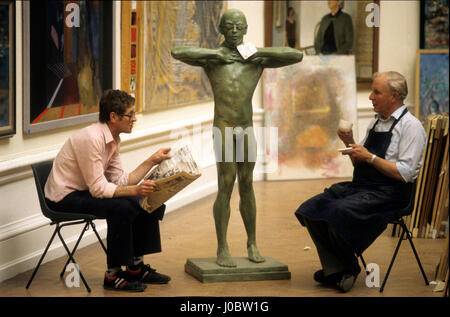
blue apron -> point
(360, 210)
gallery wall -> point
(24, 231)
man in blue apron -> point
(347, 217)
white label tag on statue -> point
(246, 50)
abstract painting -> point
(431, 83)
(434, 24)
(305, 102)
(67, 61)
(168, 82)
(7, 80)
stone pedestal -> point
(206, 270)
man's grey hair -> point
(396, 83)
(341, 4)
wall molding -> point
(19, 168)
(21, 226)
(16, 169)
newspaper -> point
(170, 177)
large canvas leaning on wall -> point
(67, 62)
(168, 82)
(305, 102)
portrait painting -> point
(67, 62)
(305, 102)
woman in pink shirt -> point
(87, 177)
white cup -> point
(345, 126)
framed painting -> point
(7, 69)
(67, 62)
(169, 83)
(132, 23)
(305, 102)
(308, 15)
(431, 93)
(434, 24)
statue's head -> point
(233, 26)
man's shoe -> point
(145, 274)
(121, 281)
(320, 277)
(346, 282)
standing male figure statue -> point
(233, 80)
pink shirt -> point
(89, 160)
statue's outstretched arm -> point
(195, 56)
(198, 56)
(272, 57)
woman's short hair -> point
(117, 101)
(396, 83)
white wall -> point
(399, 42)
(24, 232)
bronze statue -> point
(233, 81)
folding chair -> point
(407, 210)
(60, 219)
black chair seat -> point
(56, 216)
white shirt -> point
(407, 143)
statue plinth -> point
(206, 270)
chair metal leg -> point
(408, 235)
(392, 261)
(98, 236)
(364, 264)
(42, 256)
(73, 261)
(394, 227)
(86, 227)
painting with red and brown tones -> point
(305, 102)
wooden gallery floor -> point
(190, 233)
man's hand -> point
(146, 188)
(346, 137)
(143, 189)
(358, 153)
(135, 176)
(160, 155)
